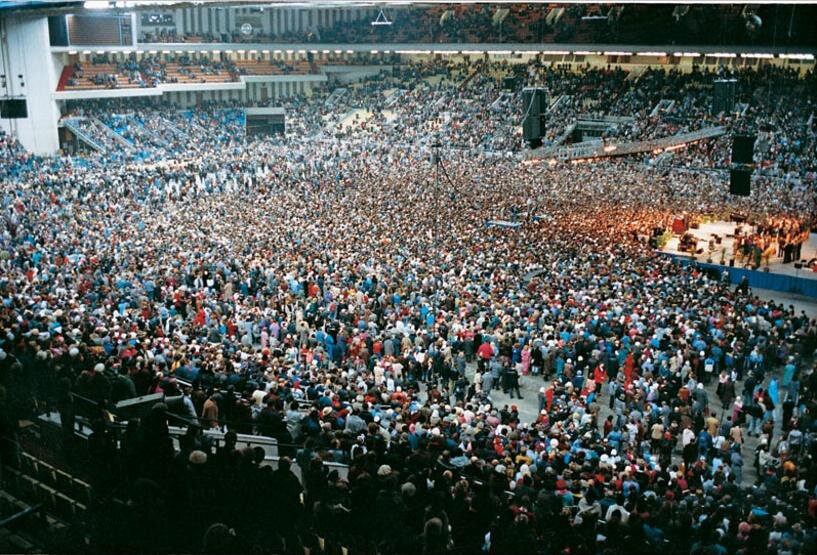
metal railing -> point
(21, 514)
(82, 135)
(126, 144)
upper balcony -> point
(535, 23)
(478, 23)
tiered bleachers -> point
(24, 523)
(66, 75)
(109, 76)
(191, 74)
(98, 76)
(148, 73)
(52, 499)
(273, 67)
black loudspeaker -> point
(534, 103)
(743, 147)
(13, 108)
(723, 98)
(739, 182)
(532, 131)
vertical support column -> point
(32, 72)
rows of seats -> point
(265, 67)
(183, 74)
(59, 479)
(84, 79)
(179, 73)
(62, 495)
(21, 535)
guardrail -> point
(22, 514)
(71, 124)
(126, 144)
(269, 445)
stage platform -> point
(778, 276)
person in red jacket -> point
(484, 354)
(598, 376)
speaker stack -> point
(740, 173)
(13, 108)
(534, 104)
(723, 98)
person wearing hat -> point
(94, 386)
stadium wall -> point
(31, 73)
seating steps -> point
(30, 532)
(62, 495)
(265, 67)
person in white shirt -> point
(687, 436)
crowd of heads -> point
(336, 290)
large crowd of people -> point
(338, 291)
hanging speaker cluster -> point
(534, 104)
(740, 172)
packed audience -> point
(332, 290)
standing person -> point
(736, 463)
(788, 371)
(773, 392)
(513, 381)
(599, 375)
(525, 359)
(613, 389)
(754, 416)
(709, 367)
(487, 382)
(727, 390)
(460, 388)
(287, 497)
(484, 354)
(459, 364)
(496, 373)
(736, 434)
(536, 360)
(210, 412)
(704, 441)
(468, 336)
(506, 378)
